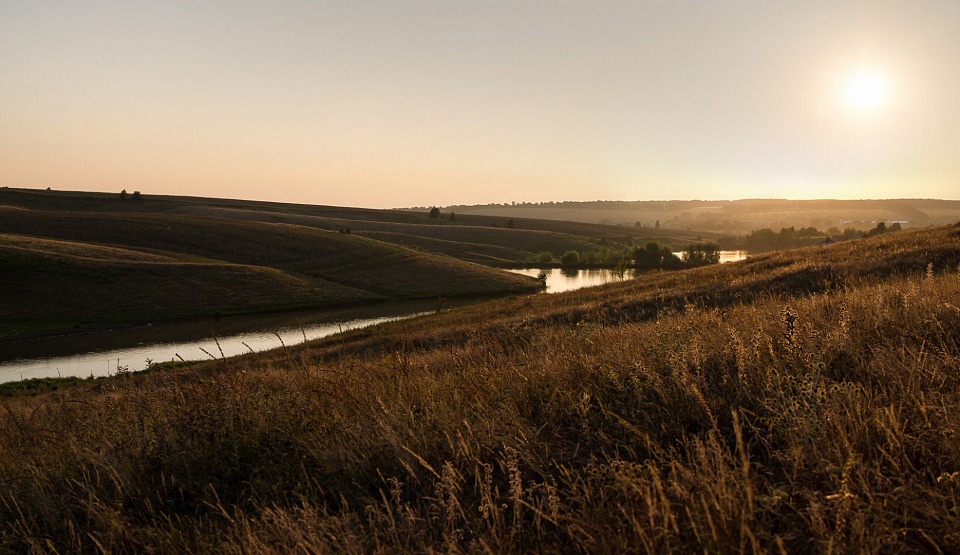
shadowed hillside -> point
(66, 270)
(800, 401)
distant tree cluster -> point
(545, 257)
(570, 259)
(134, 196)
(701, 254)
(882, 228)
(655, 255)
(789, 237)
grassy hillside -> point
(738, 216)
(94, 269)
(490, 234)
(802, 401)
(51, 286)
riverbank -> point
(135, 349)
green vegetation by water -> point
(799, 401)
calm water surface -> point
(559, 280)
(102, 353)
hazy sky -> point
(386, 103)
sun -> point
(866, 91)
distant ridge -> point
(734, 216)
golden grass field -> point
(801, 401)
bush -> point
(701, 254)
(570, 258)
(650, 256)
(545, 257)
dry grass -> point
(812, 411)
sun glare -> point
(866, 91)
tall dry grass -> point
(813, 419)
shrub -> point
(701, 254)
(570, 258)
(545, 257)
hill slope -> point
(802, 401)
(737, 216)
(203, 266)
(51, 286)
(499, 243)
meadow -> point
(800, 401)
(67, 267)
(489, 240)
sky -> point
(397, 103)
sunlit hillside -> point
(738, 216)
(801, 401)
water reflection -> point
(568, 279)
(559, 280)
(102, 353)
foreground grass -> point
(803, 402)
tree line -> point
(790, 237)
(652, 255)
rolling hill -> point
(798, 401)
(67, 270)
(738, 216)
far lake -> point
(559, 280)
(101, 353)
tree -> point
(570, 258)
(435, 213)
(880, 229)
(136, 195)
(701, 254)
(760, 240)
(123, 194)
(649, 256)
(620, 270)
(669, 260)
(727, 242)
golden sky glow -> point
(866, 90)
(382, 103)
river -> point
(103, 353)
